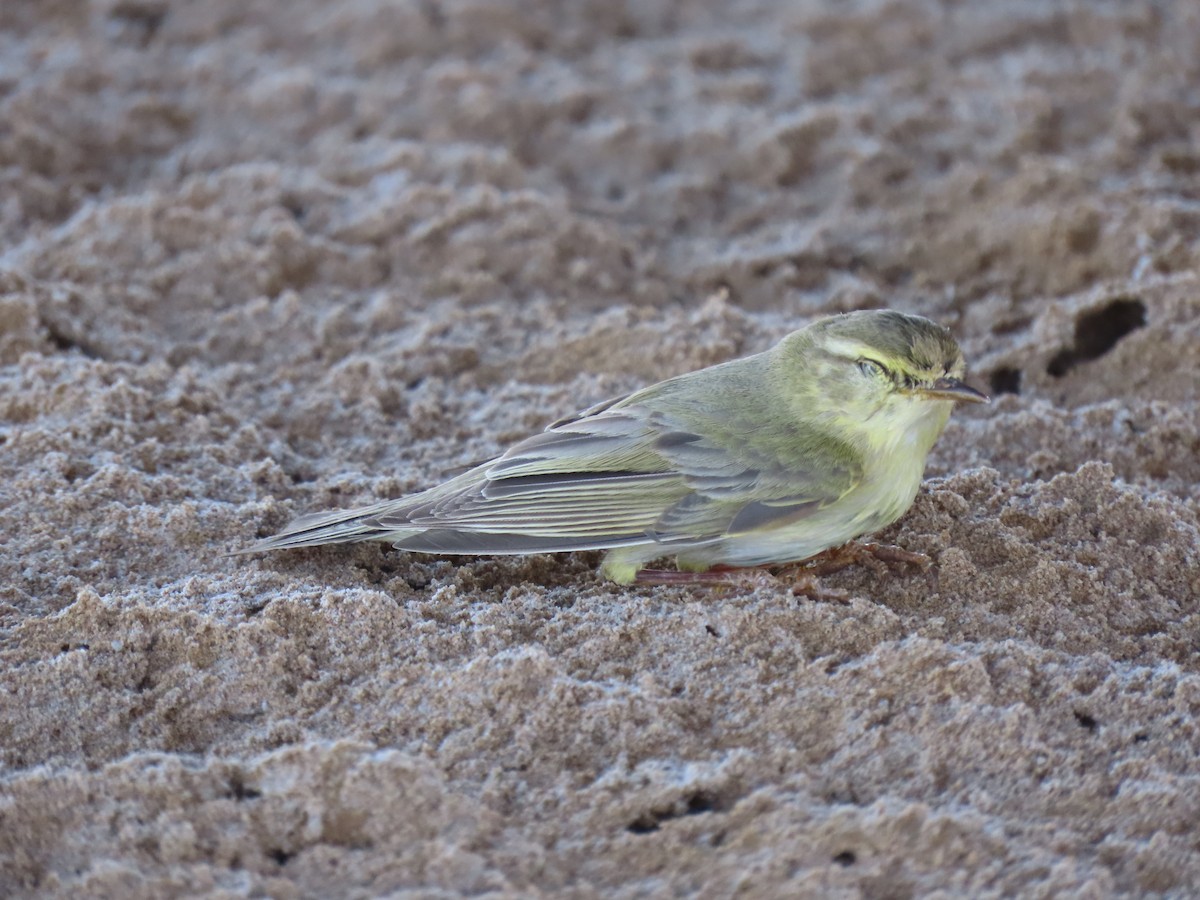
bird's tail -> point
(339, 526)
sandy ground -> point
(263, 258)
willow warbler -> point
(761, 461)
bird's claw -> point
(874, 556)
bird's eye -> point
(872, 368)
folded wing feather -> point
(613, 478)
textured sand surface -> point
(265, 258)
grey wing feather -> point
(614, 475)
(619, 477)
(592, 482)
(338, 526)
(594, 410)
(750, 489)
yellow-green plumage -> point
(763, 460)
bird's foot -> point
(804, 577)
(807, 573)
(876, 557)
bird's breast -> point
(896, 466)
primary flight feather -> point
(765, 460)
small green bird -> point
(762, 461)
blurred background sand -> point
(264, 258)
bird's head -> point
(884, 372)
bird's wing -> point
(742, 482)
(623, 475)
(591, 482)
(595, 410)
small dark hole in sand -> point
(712, 631)
(62, 340)
(693, 804)
(1085, 721)
(1097, 332)
(1141, 737)
(846, 858)
(238, 788)
(281, 857)
(644, 824)
(1008, 326)
(701, 802)
(1062, 363)
(142, 17)
(1005, 380)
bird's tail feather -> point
(339, 526)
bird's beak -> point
(952, 389)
